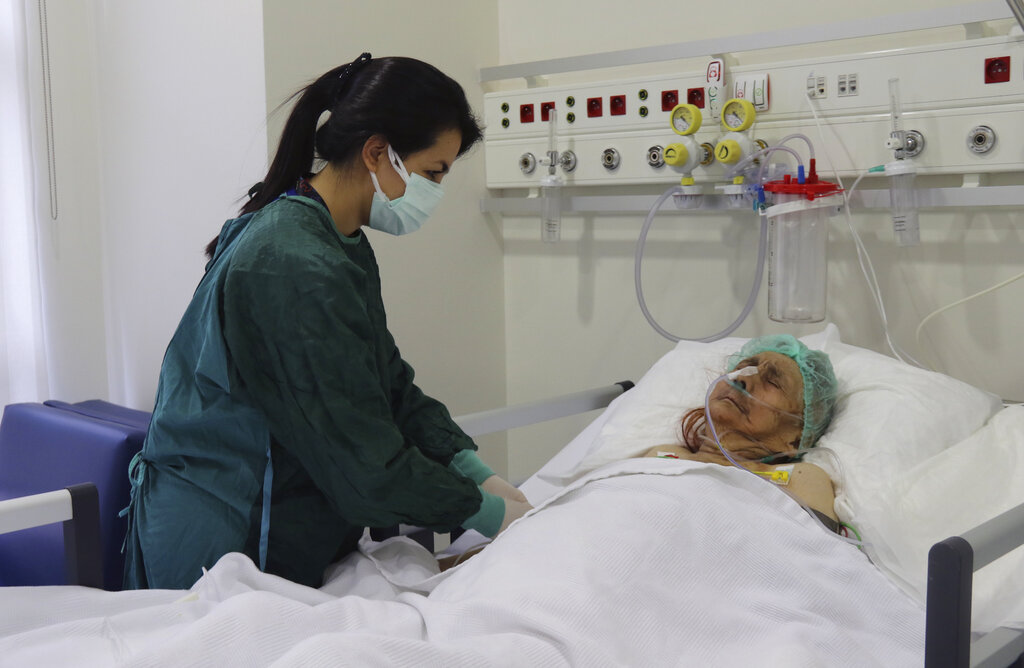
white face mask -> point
(407, 213)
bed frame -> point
(951, 563)
(951, 567)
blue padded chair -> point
(45, 447)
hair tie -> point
(346, 72)
(355, 65)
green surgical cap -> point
(820, 386)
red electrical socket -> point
(695, 96)
(997, 70)
(617, 105)
(545, 110)
(526, 113)
(669, 99)
(595, 107)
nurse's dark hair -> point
(406, 100)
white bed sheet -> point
(690, 564)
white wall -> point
(159, 126)
(70, 236)
(182, 131)
(572, 318)
(443, 286)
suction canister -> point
(797, 246)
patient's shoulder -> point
(812, 484)
(810, 473)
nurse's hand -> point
(499, 487)
(513, 511)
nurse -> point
(286, 420)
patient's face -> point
(765, 416)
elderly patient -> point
(768, 419)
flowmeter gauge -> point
(737, 115)
(686, 119)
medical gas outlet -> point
(684, 155)
(528, 162)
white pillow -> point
(945, 495)
(891, 416)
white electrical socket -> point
(816, 86)
(847, 85)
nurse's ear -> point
(375, 153)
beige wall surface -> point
(571, 312)
(443, 286)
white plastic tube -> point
(798, 135)
(746, 162)
(638, 281)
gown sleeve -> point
(425, 421)
(301, 337)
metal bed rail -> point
(951, 567)
(78, 507)
(521, 415)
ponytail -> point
(297, 146)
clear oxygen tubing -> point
(747, 161)
(993, 288)
(933, 314)
(638, 265)
(729, 377)
(798, 135)
(764, 163)
(867, 268)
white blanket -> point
(644, 562)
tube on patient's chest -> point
(779, 476)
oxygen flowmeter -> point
(737, 117)
(684, 155)
(905, 144)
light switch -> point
(753, 87)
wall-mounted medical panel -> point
(965, 98)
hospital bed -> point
(864, 378)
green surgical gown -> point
(283, 357)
